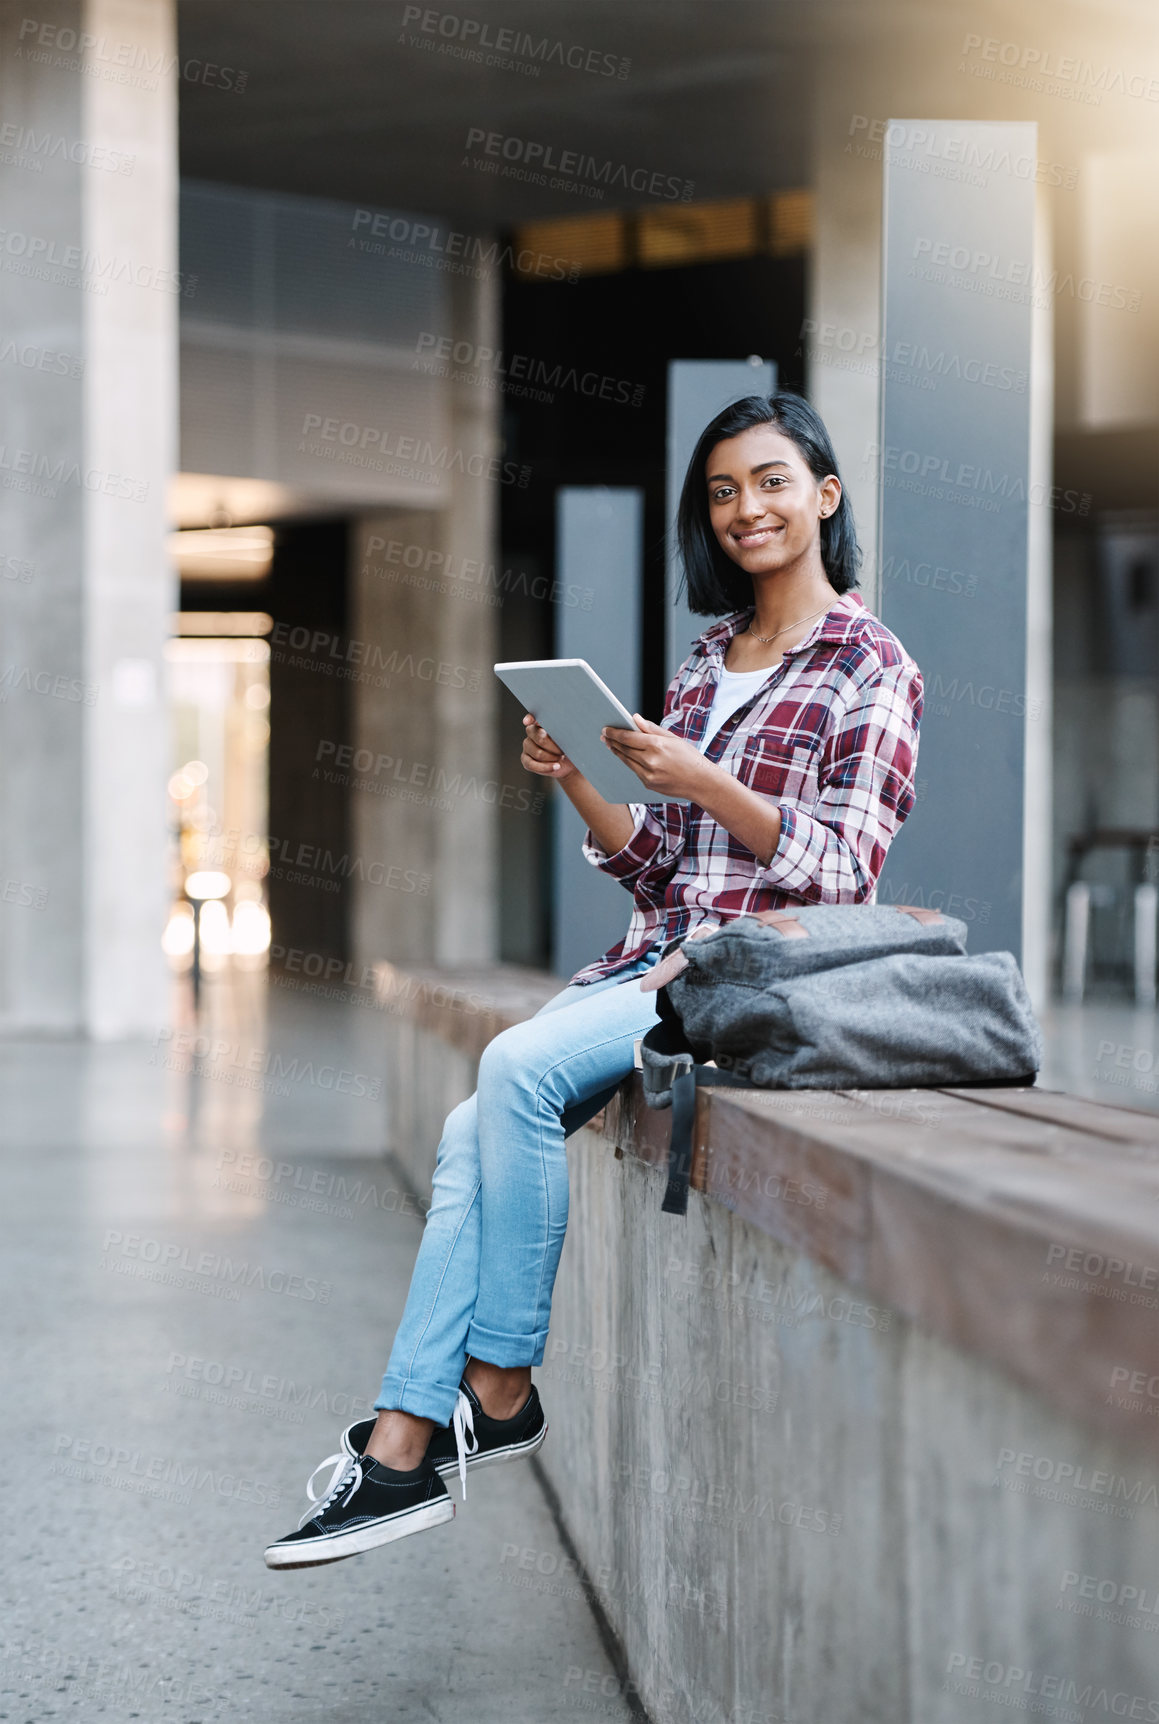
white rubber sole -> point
(335, 1547)
(493, 1457)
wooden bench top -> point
(1019, 1224)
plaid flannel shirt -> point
(836, 752)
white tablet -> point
(572, 704)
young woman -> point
(788, 747)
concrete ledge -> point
(1019, 1224)
(836, 1449)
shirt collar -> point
(837, 624)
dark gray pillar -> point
(599, 538)
(955, 466)
(697, 390)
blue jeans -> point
(486, 1267)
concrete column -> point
(88, 302)
(599, 539)
(420, 585)
(1038, 788)
(842, 332)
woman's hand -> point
(670, 764)
(542, 755)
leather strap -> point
(783, 923)
(928, 918)
(671, 964)
(664, 971)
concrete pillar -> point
(421, 581)
(88, 306)
(960, 464)
(842, 331)
(599, 539)
(1038, 788)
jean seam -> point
(405, 1381)
(607, 1042)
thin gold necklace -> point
(765, 639)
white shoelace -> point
(347, 1472)
(463, 1422)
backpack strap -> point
(672, 1077)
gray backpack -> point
(830, 997)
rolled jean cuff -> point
(425, 1400)
(496, 1347)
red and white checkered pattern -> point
(831, 738)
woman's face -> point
(763, 502)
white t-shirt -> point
(734, 688)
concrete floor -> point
(160, 1417)
(1106, 1048)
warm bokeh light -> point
(251, 928)
(177, 940)
(216, 937)
(207, 884)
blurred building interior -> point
(341, 336)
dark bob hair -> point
(715, 584)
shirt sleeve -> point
(660, 828)
(834, 852)
(647, 848)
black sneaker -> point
(472, 1439)
(365, 1505)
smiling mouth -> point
(756, 535)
